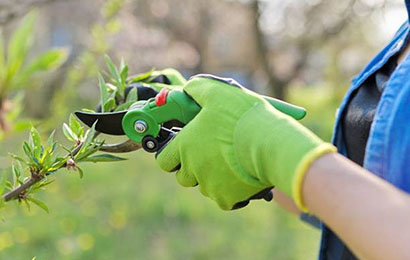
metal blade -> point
(108, 123)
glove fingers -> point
(265, 194)
(206, 89)
(185, 178)
(168, 157)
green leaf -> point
(115, 75)
(16, 170)
(109, 105)
(103, 158)
(22, 125)
(80, 171)
(89, 151)
(45, 183)
(103, 91)
(142, 77)
(54, 147)
(124, 106)
(122, 65)
(36, 142)
(27, 149)
(89, 136)
(17, 173)
(58, 163)
(132, 95)
(20, 44)
(50, 140)
(40, 185)
(39, 203)
(16, 157)
(69, 134)
(9, 185)
(66, 149)
(46, 158)
(49, 60)
(123, 74)
(75, 126)
(88, 110)
(46, 62)
(111, 88)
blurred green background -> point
(305, 52)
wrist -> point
(279, 152)
(303, 168)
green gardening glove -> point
(239, 145)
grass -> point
(132, 210)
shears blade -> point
(107, 123)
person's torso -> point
(364, 129)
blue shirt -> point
(388, 146)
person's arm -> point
(369, 214)
(239, 145)
(286, 202)
(289, 205)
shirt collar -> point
(408, 7)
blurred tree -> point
(188, 21)
(84, 68)
(279, 43)
(290, 35)
(17, 74)
(10, 9)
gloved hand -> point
(238, 145)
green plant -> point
(17, 73)
(43, 159)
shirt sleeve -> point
(311, 220)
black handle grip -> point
(265, 194)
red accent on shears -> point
(161, 98)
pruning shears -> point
(154, 122)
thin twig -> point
(14, 194)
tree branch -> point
(275, 84)
(35, 177)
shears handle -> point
(179, 106)
(143, 122)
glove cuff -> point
(302, 169)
